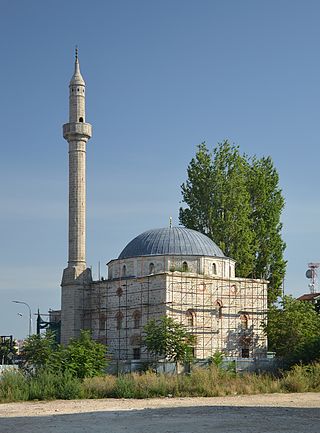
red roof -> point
(309, 297)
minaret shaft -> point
(76, 277)
(77, 203)
(77, 133)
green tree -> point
(293, 331)
(219, 202)
(40, 351)
(267, 204)
(7, 351)
(169, 339)
(83, 357)
(237, 202)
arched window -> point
(214, 269)
(119, 318)
(119, 292)
(151, 268)
(244, 321)
(81, 119)
(136, 319)
(191, 315)
(219, 308)
(124, 271)
(184, 267)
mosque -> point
(172, 271)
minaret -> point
(76, 276)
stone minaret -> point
(76, 277)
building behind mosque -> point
(173, 271)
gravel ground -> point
(272, 413)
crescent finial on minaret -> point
(77, 77)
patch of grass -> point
(13, 387)
(18, 386)
(302, 378)
(100, 387)
(201, 382)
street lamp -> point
(24, 303)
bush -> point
(44, 385)
(83, 357)
(302, 378)
(13, 387)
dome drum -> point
(136, 267)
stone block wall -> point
(225, 314)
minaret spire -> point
(77, 73)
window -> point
(81, 119)
(219, 308)
(214, 269)
(136, 319)
(245, 353)
(190, 317)
(184, 267)
(151, 268)
(102, 323)
(119, 292)
(119, 318)
(124, 271)
(233, 289)
(244, 321)
(136, 353)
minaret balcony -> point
(75, 130)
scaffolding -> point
(224, 312)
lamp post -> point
(24, 303)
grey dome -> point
(171, 241)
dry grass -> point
(210, 382)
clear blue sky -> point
(162, 76)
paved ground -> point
(294, 413)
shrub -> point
(302, 378)
(13, 387)
(83, 357)
(99, 386)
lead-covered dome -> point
(171, 241)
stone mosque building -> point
(171, 271)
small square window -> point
(245, 353)
(136, 353)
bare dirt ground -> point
(272, 413)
